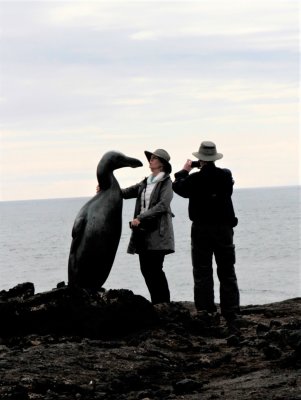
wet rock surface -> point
(67, 344)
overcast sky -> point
(81, 78)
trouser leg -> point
(201, 255)
(225, 260)
(151, 265)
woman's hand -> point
(135, 222)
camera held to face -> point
(195, 164)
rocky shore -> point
(114, 345)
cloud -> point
(79, 78)
(145, 35)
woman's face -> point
(155, 165)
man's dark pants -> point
(206, 241)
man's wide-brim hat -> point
(162, 155)
(207, 152)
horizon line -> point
(83, 197)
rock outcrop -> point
(74, 344)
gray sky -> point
(81, 78)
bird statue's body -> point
(97, 228)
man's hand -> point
(187, 165)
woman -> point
(152, 231)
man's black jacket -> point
(209, 191)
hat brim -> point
(148, 155)
(203, 157)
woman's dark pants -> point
(217, 240)
(151, 265)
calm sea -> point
(35, 239)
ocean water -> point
(35, 240)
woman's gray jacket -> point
(162, 238)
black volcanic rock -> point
(66, 311)
(114, 345)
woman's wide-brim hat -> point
(162, 155)
(207, 152)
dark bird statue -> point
(97, 228)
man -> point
(211, 211)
